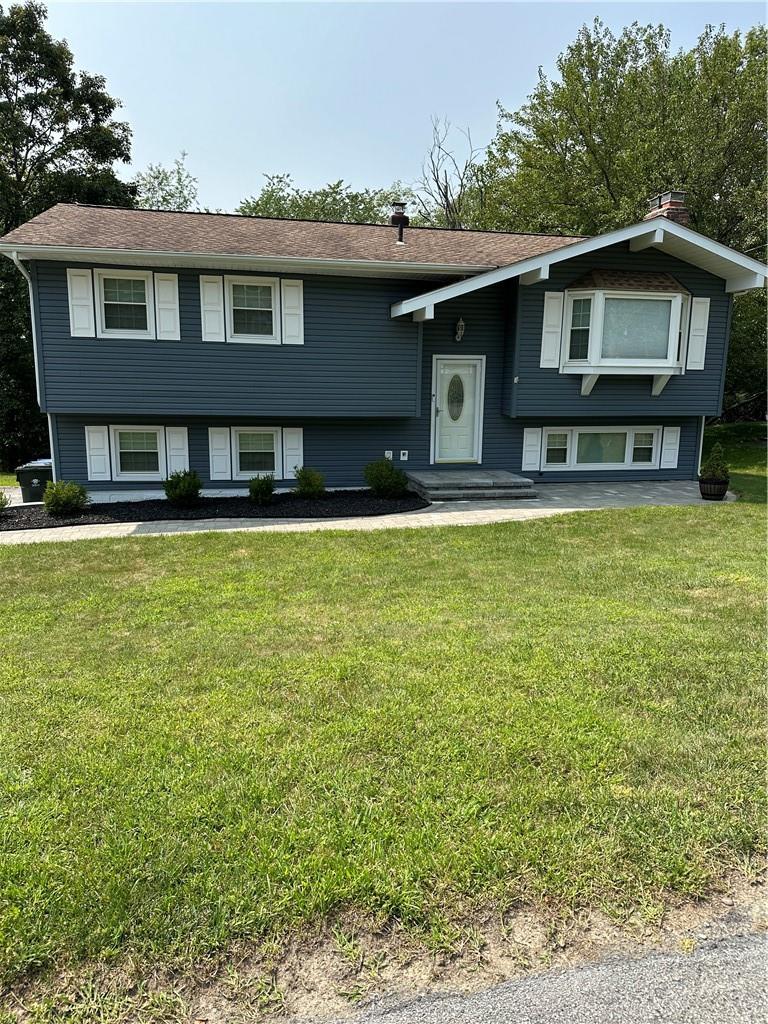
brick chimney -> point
(670, 205)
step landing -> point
(470, 484)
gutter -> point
(166, 257)
(13, 256)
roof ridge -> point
(302, 220)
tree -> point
(58, 142)
(626, 119)
(450, 192)
(167, 188)
(336, 201)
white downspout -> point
(14, 257)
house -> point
(240, 346)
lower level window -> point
(601, 448)
(255, 451)
(138, 453)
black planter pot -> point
(713, 490)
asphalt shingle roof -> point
(215, 234)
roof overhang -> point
(235, 261)
(739, 272)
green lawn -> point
(221, 736)
(8, 480)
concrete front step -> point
(469, 484)
(472, 494)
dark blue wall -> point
(548, 392)
(355, 360)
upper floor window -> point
(623, 329)
(252, 309)
(125, 303)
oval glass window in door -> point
(455, 397)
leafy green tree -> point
(58, 142)
(336, 201)
(745, 392)
(626, 118)
(167, 188)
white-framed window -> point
(125, 305)
(253, 309)
(138, 452)
(256, 451)
(598, 447)
(605, 329)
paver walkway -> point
(554, 499)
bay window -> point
(618, 330)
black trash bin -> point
(32, 477)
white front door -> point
(457, 408)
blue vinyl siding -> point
(355, 360)
(548, 392)
(362, 383)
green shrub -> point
(714, 466)
(385, 479)
(65, 498)
(5, 501)
(183, 488)
(310, 483)
(260, 489)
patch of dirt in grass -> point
(342, 966)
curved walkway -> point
(554, 499)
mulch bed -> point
(334, 505)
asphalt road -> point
(722, 982)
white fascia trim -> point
(291, 264)
(733, 273)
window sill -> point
(253, 341)
(649, 369)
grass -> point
(218, 737)
(8, 480)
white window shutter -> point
(212, 308)
(82, 323)
(220, 453)
(551, 331)
(531, 448)
(697, 335)
(292, 306)
(176, 449)
(97, 453)
(670, 446)
(167, 326)
(293, 451)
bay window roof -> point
(627, 280)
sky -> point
(330, 90)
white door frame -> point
(479, 403)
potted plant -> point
(714, 476)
